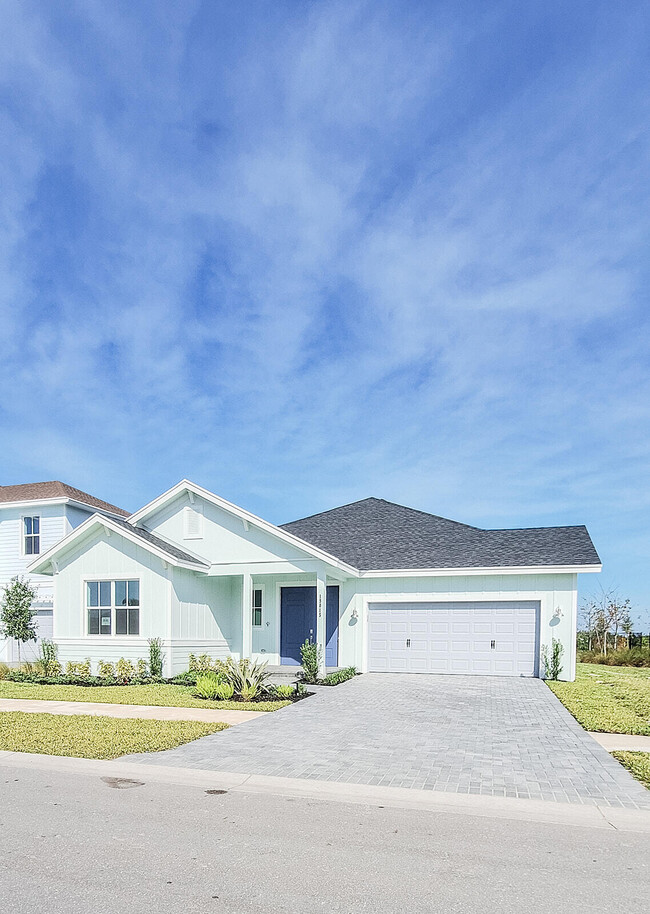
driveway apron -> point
(504, 737)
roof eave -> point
(59, 500)
(484, 570)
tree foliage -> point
(16, 612)
(605, 618)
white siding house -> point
(376, 585)
(33, 518)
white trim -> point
(186, 486)
(44, 560)
(84, 607)
(23, 536)
(485, 570)
(60, 500)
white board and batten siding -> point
(487, 638)
(555, 595)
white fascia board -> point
(59, 500)
(34, 502)
(451, 572)
(300, 566)
(42, 563)
(186, 485)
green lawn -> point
(608, 699)
(638, 763)
(158, 694)
(95, 737)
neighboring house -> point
(33, 517)
(379, 586)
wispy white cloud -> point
(305, 254)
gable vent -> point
(193, 523)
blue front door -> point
(298, 623)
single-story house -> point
(377, 585)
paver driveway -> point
(484, 735)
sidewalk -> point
(148, 712)
(621, 742)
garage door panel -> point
(497, 638)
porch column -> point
(321, 617)
(247, 615)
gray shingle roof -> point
(172, 551)
(374, 534)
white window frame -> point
(23, 535)
(260, 591)
(112, 608)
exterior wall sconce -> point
(558, 613)
(355, 614)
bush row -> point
(634, 656)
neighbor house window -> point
(257, 607)
(113, 607)
(32, 535)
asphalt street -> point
(72, 842)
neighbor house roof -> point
(374, 535)
(42, 491)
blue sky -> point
(303, 253)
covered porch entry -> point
(299, 618)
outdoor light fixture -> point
(558, 613)
(355, 614)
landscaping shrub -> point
(188, 678)
(311, 656)
(552, 663)
(284, 691)
(155, 658)
(49, 658)
(202, 664)
(105, 670)
(75, 669)
(635, 656)
(4, 670)
(141, 669)
(124, 670)
(339, 676)
(249, 691)
(209, 686)
(246, 676)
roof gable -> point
(238, 525)
(374, 534)
(44, 563)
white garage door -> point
(498, 639)
(31, 650)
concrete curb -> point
(541, 811)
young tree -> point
(607, 615)
(16, 613)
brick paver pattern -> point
(504, 737)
